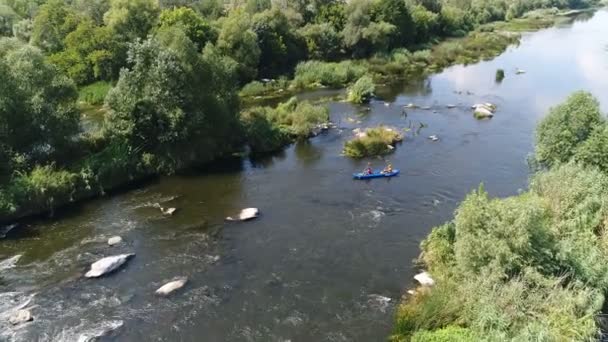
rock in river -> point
(245, 214)
(172, 286)
(21, 316)
(114, 240)
(107, 265)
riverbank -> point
(524, 268)
(109, 168)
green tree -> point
(238, 41)
(568, 125)
(322, 41)
(38, 117)
(132, 18)
(426, 23)
(91, 53)
(197, 29)
(396, 13)
(7, 19)
(280, 45)
(256, 6)
(362, 35)
(53, 22)
(174, 105)
(94, 9)
(333, 13)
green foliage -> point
(566, 126)
(37, 111)
(396, 13)
(333, 13)
(281, 47)
(594, 150)
(373, 142)
(7, 19)
(238, 41)
(448, 334)
(268, 129)
(196, 28)
(362, 91)
(426, 23)
(522, 268)
(361, 34)
(91, 53)
(322, 41)
(174, 104)
(270, 88)
(315, 73)
(132, 19)
(22, 29)
(95, 93)
(53, 22)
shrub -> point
(560, 133)
(262, 135)
(594, 150)
(362, 91)
(374, 142)
(314, 73)
(500, 75)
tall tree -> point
(132, 18)
(238, 41)
(53, 22)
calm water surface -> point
(307, 269)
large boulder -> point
(172, 286)
(107, 265)
(483, 110)
(424, 279)
(245, 215)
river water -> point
(310, 267)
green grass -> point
(95, 93)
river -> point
(325, 244)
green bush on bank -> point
(525, 268)
(372, 142)
(268, 129)
(312, 74)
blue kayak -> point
(376, 174)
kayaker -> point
(388, 168)
(368, 170)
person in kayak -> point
(388, 168)
(368, 170)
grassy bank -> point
(524, 268)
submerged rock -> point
(424, 279)
(114, 240)
(410, 106)
(21, 316)
(434, 137)
(172, 286)
(450, 106)
(245, 215)
(379, 302)
(107, 265)
(520, 71)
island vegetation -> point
(170, 77)
(527, 267)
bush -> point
(315, 73)
(500, 75)
(594, 150)
(95, 93)
(560, 133)
(267, 129)
(522, 268)
(374, 142)
(362, 91)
